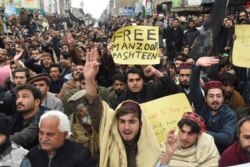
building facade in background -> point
(59, 7)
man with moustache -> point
(190, 146)
(232, 97)
(125, 135)
(139, 90)
(73, 82)
(8, 103)
(46, 60)
(118, 87)
(184, 77)
(239, 152)
(49, 100)
(54, 148)
(20, 76)
(220, 120)
(57, 80)
(25, 122)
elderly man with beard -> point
(219, 118)
(239, 152)
(73, 82)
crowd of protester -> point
(64, 102)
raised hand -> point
(171, 142)
(91, 68)
(92, 65)
(109, 48)
(19, 55)
(70, 39)
(39, 57)
(149, 71)
(207, 61)
(171, 145)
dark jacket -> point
(189, 36)
(174, 35)
(25, 132)
(7, 101)
(151, 91)
(37, 68)
(56, 86)
(221, 125)
(68, 155)
(186, 92)
(225, 39)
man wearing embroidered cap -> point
(190, 146)
(219, 118)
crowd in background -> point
(46, 55)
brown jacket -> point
(67, 86)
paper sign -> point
(164, 113)
(241, 50)
(136, 45)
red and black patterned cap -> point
(185, 65)
(196, 118)
(212, 85)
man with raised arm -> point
(125, 136)
(220, 119)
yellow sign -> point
(241, 50)
(164, 113)
(136, 45)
